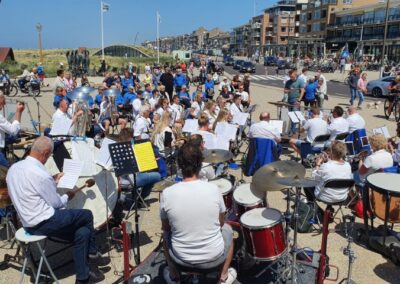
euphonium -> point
(83, 122)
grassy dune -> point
(53, 57)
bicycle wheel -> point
(396, 110)
(385, 108)
(13, 91)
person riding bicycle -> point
(24, 77)
(5, 79)
(394, 89)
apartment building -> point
(314, 20)
(240, 39)
(363, 30)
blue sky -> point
(73, 23)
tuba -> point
(83, 122)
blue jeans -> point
(353, 95)
(294, 107)
(146, 181)
(74, 225)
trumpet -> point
(311, 159)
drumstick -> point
(88, 183)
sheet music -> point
(278, 124)
(191, 125)
(382, 130)
(61, 127)
(211, 141)
(103, 158)
(226, 130)
(72, 170)
(300, 116)
(145, 157)
(83, 150)
(240, 118)
(293, 117)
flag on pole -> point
(105, 7)
(158, 17)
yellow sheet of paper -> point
(145, 158)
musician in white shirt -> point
(236, 107)
(338, 124)
(245, 97)
(108, 115)
(264, 129)
(177, 109)
(141, 128)
(395, 150)
(197, 105)
(7, 127)
(354, 119)
(63, 113)
(137, 104)
(41, 209)
(314, 126)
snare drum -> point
(264, 233)
(385, 196)
(226, 188)
(247, 199)
(101, 198)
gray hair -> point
(42, 145)
(143, 109)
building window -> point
(323, 14)
(317, 14)
(291, 29)
(315, 27)
(347, 2)
(283, 29)
(303, 29)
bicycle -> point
(395, 107)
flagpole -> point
(158, 38)
(102, 31)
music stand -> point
(124, 163)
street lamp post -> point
(39, 28)
(384, 36)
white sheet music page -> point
(103, 158)
(226, 130)
(61, 127)
(300, 116)
(83, 150)
(382, 130)
(191, 125)
(293, 117)
(72, 170)
(278, 124)
(240, 118)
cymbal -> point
(84, 89)
(112, 92)
(163, 184)
(298, 182)
(265, 178)
(78, 96)
(214, 156)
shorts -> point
(227, 235)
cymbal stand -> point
(348, 221)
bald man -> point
(354, 119)
(264, 129)
(41, 209)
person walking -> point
(361, 89)
(353, 81)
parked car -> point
(248, 67)
(270, 60)
(237, 64)
(229, 62)
(282, 64)
(378, 88)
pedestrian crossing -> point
(266, 77)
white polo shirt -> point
(338, 125)
(141, 128)
(315, 126)
(355, 122)
(263, 129)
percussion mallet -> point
(88, 183)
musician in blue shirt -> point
(127, 81)
(99, 97)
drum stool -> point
(24, 238)
(195, 272)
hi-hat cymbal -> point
(214, 156)
(265, 178)
(163, 184)
(298, 182)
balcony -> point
(269, 34)
(256, 35)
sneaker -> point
(232, 275)
(167, 276)
(94, 277)
(98, 259)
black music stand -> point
(124, 164)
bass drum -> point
(101, 198)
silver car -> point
(379, 88)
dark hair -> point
(338, 110)
(291, 72)
(315, 111)
(59, 72)
(190, 160)
(125, 135)
(196, 140)
(305, 69)
(147, 85)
